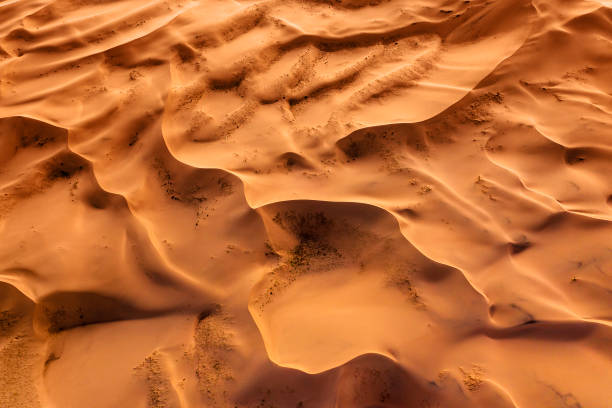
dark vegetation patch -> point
(213, 343)
(193, 188)
(313, 252)
(158, 384)
(310, 226)
(402, 283)
(386, 144)
(8, 321)
(478, 111)
(312, 230)
(363, 144)
(64, 166)
(35, 138)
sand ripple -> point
(305, 203)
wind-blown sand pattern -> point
(306, 203)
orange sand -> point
(306, 203)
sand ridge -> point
(305, 203)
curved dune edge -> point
(305, 204)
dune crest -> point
(305, 203)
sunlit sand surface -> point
(305, 204)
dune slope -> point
(305, 203)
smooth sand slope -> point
(305, 203)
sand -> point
(305, 203)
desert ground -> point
(305, 204)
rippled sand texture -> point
(305, 203)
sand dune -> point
(305, 203)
